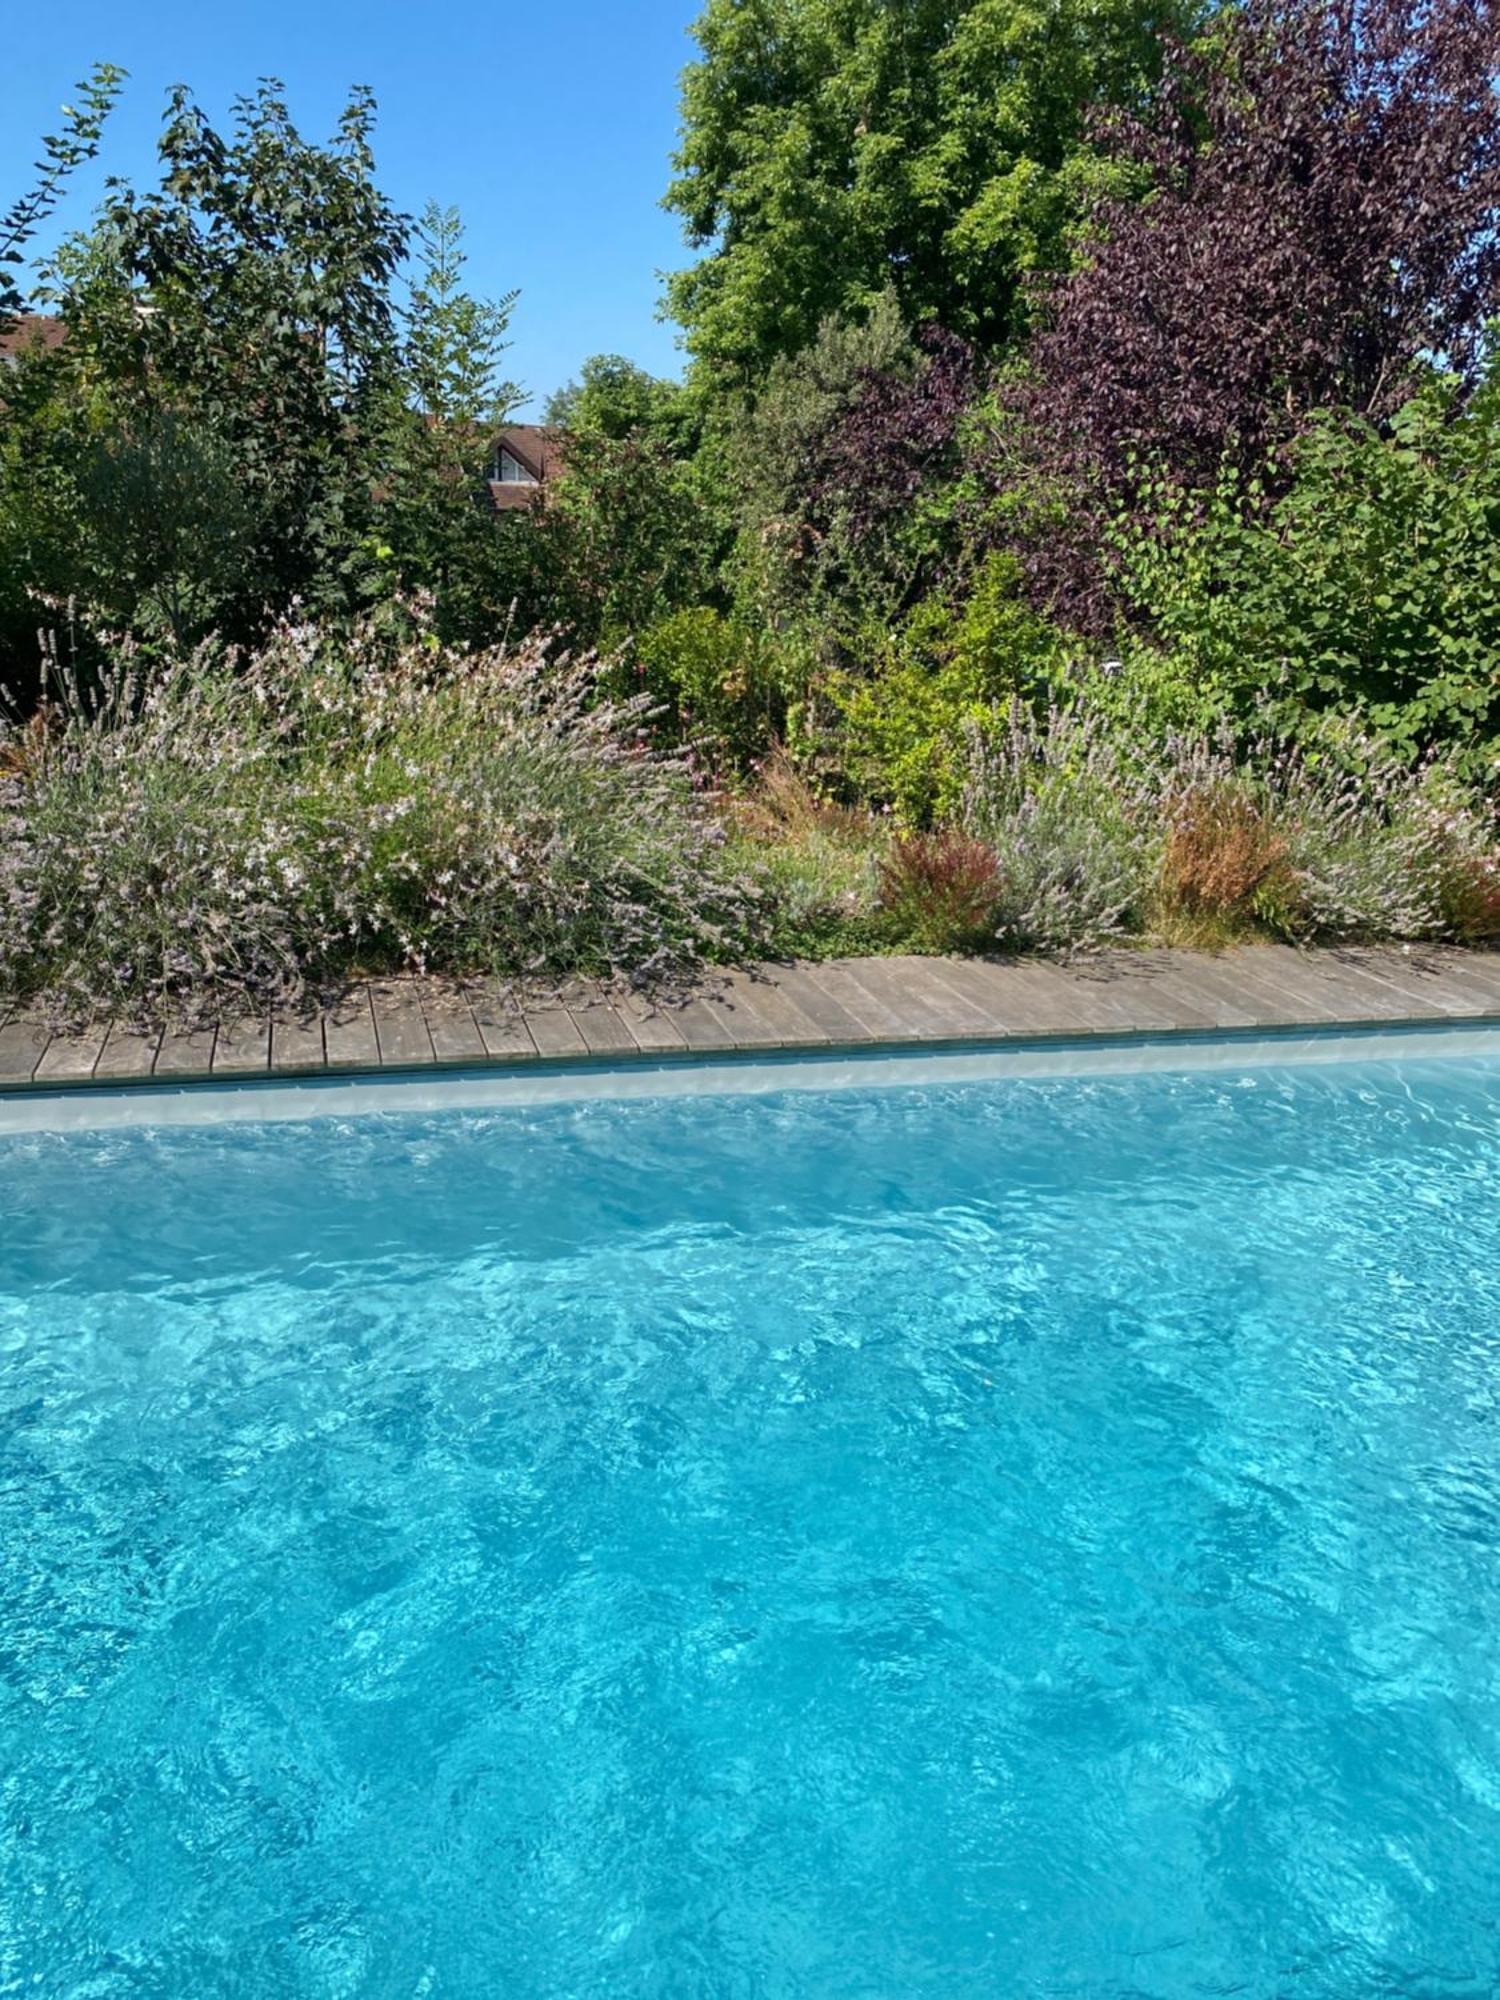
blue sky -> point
(549, 122)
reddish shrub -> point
(21, 756)
(1326, 179)
(942, 890)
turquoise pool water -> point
(1006, 1539)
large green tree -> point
(616, 398)
(833, 148)
(232, 348)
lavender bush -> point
(1072, 820)
(230, 831)
(1103, 832)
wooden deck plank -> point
(23, 1043)
(243, 1048)
(1422, 991)
(1043, 1000)
(1111, 1002)
(922, 983)
(878, 1016)
(1483, 966)
(1348, 996)
(1349, 986)
(450, 1022)
(1191, 999)
(1036, 997)
(185, 1054)
(1235, 975)
(593, 1013)
(128, 1055)
(1428, 985)
(501, 1024)
(768, 1002)
(554, 1031)
(705, 1024)
(992, 986)
(651, 1022)
(349, 1038)
(885, 1015)
(1279, 1000)
(1470, 978)
(400, 1026)
(72, 1058)
(403, 1023)
(1131, 989)
(1477, 972)
(297, 1044)
(1240, 1002)
(925, 1007)
(731, 1004)
(840, 1023)
(1006, 996)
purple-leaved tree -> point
(1324, 221)
(897, 435)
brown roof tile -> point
(30, 330)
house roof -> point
(538, 448)
(30, 330)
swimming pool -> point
(1033, 1536)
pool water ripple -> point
(1030, 1537)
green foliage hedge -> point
(1370, 586)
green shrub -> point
(1371, 588)
(716, 679)
(228, 832)
(902, 733)
(904, 724)
(1149, 693)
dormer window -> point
(510, 471)
(523, 460)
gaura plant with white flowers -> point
(227, 831)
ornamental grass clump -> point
(1101, 831)
(1223, 857)
(1339, 840)
(1457, 839)
(942, 891)
(1364, 848)
(1470, 891)
(819, 861)
(228, 831)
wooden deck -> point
(420, 1024)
